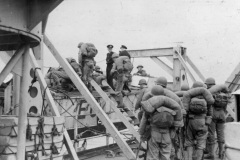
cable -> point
(64, 94)
(101, 61)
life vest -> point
(198, 105)
(163, 117)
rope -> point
(12, 109)
(43, 103)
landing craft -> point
(59, 124)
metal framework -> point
(177, 55)
(179, 70)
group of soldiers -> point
(189, 117)
(167, 119)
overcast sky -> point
(210, 30)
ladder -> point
(94, 104)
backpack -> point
(91, 50)
(163, 117)
(221, 100)
(198, 105)
(127, 65)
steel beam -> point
(163, 65)
(12, 62)
(22, 118)
(195, 68)
(91, 100)
(157, 52)
(184, 65)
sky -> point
(210, 30)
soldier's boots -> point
(199, 154)
(210, 155)
(190, 153)
(220, 154)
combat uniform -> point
(86, 56)
(218, 120)
(159, 145)
(197, 120)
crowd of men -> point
(189, 117)
(169, 120)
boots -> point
(199, 154)
(220, 146)
(190, 152)
(210, 155)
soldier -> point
(162, 113)
(87, 52)
(142, 83)
(123, 66)
(109, 62)
(162, 81)
(140, 71)
(197, 102)
(75, 66)
(218, 120)
(144, 90)
(98, 70)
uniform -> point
(159, 145)
(86, 55)
(123, 66)
(197, 103)
(218, 121)
(109, 62)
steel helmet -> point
(115, 55)
(185, 87)
(97, 67)
(140, 66)
(161, 81)
(210, 81)
(80, 44)
(142, 81)
(197, 84)
(157, 90)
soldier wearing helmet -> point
(162, 81)
(98, 70)
(210, 82)
(86, 54)
(142, 83)
(140, 71)
(158, 135)
(144, 95)
(217, 125)
(199, 112)
(110, 63)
